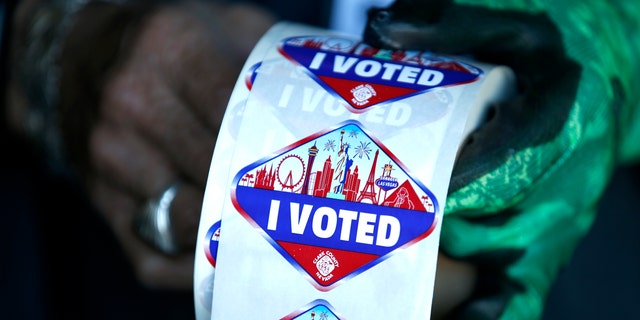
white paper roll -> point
(330, 175)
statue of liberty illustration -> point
(342, 166)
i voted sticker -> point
(335, 204)
(211, 244)
(365, 76)
(317, 310)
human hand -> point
(525, 186)
(158, 111)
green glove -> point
(525, 189)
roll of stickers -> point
(326, 191)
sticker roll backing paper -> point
(327, 186)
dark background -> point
(58, 260)
(603, 279)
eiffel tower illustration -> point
(368, 191)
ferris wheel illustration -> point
(290, 172)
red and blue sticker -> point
(317, 310)
(335, 203)
(211, 244)
(365, 76)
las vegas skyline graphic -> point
(343, 164)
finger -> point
(197, 65)
(128, 161)
(185, 215)
(152, 268)
(204, 87)
(145, 176)
(454, 283)
(211, 57)
(141, 102)
(400, 25)
(489, 34)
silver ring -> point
(153, 224)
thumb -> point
(498, 36)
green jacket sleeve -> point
(521, 222)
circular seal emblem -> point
(325, 263)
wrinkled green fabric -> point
(551, 191)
